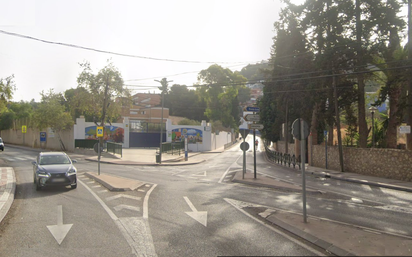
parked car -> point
(54, 168)
(1, 144)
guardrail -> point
(115, 148)
(281, 158)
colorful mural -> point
(193, 135)
(110, 134)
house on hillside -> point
(145, 114)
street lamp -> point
(373, 109)
(164, 84)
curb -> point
(10, 189)
(363, 182)
(172, 163)
(310, 238)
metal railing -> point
(173, 147)
(115, 148)
(85, 143)
(282, 158)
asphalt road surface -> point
(182, 211)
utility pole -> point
(409, 90)
(164, 89)
(100, 144)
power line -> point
(103, 51)
(183, 73)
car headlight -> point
(71, 171)
(42, 173)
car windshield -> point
(1, 140)
(54, 159)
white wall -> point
(210, 141)
(81, 125)
(205, 145)
(220, 140)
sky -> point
(173, 39)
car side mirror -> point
(34, 163)
(74, 161)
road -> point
(191, 210)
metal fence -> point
(85, 143)
(111, 147)
(282, 158)
(115, 148)
(173, 147)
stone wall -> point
(280, 146)
(379, 162)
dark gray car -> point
(54, 168)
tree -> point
(220, 93)
(50, 113)
(185, 103)
(254, 72)
(393, 81)
(78, 103)
(7, 88)
(106, 93)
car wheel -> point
(74, 186)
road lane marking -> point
(199, 216)
(144, 247)
(60, 230)
(123, 196)
(146, 203)
(227, 171)
(128, 207)
(236, 204)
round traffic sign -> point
(296, 129)
(244, 146)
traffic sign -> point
(42, 136)
(255, 126)
(244, 146)
(296, 129)
(24, 129)
(244, 132)
(252, 117)
(99, 132)
(405, 129)
(252, 109)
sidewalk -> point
(337, 238)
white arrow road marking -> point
(60, 230)
(124, 206)
(199, 216)
(125, 196)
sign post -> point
(99, 134)
(300, 131)
(244, 146)
(24, 131)
(253, 117)
(186, 153)
(43, 138)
